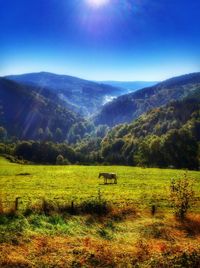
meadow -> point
(128, 235)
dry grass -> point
(88, 252)
(164, 243)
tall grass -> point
(49, 207)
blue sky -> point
(118, 40)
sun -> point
(97, 3)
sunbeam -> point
(97, 3)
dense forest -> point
(165, 137)
(36, 127)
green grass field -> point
(79, 183)
(129, 236)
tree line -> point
(163, 137)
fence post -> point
(17, 203)
(153, 210)
(99, 194)
(72, 207)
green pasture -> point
(141, 186)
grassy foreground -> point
(126, 236)
(78, 183)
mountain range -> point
(82, 96)
(49, 105)
(130, 86)
(128, 107)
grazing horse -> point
(108, 176)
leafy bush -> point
(59, 159)
(181, 195)
(99, 207)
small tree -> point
(181, 196)
(59, 159)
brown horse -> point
(108, 176)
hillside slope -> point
(24, 110)
(84, 97)
(128, 107)
(164, 136)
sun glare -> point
(97, 3)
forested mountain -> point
(128, 107)
(165, 136)
(130, 86)
(168, 135)
(82, 96)
(28, 113)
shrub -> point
(48, 207)
(59, 160)
(95, 207)
(181, 195)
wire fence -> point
(20, 198)
(20, 203)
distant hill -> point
(27, 113)
(130, 86)
(84, 97)
(130, 106)
(159, 121)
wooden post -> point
(17, 203)
(99, 194)
(153, 210)
(72, 207)
(1, 206)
